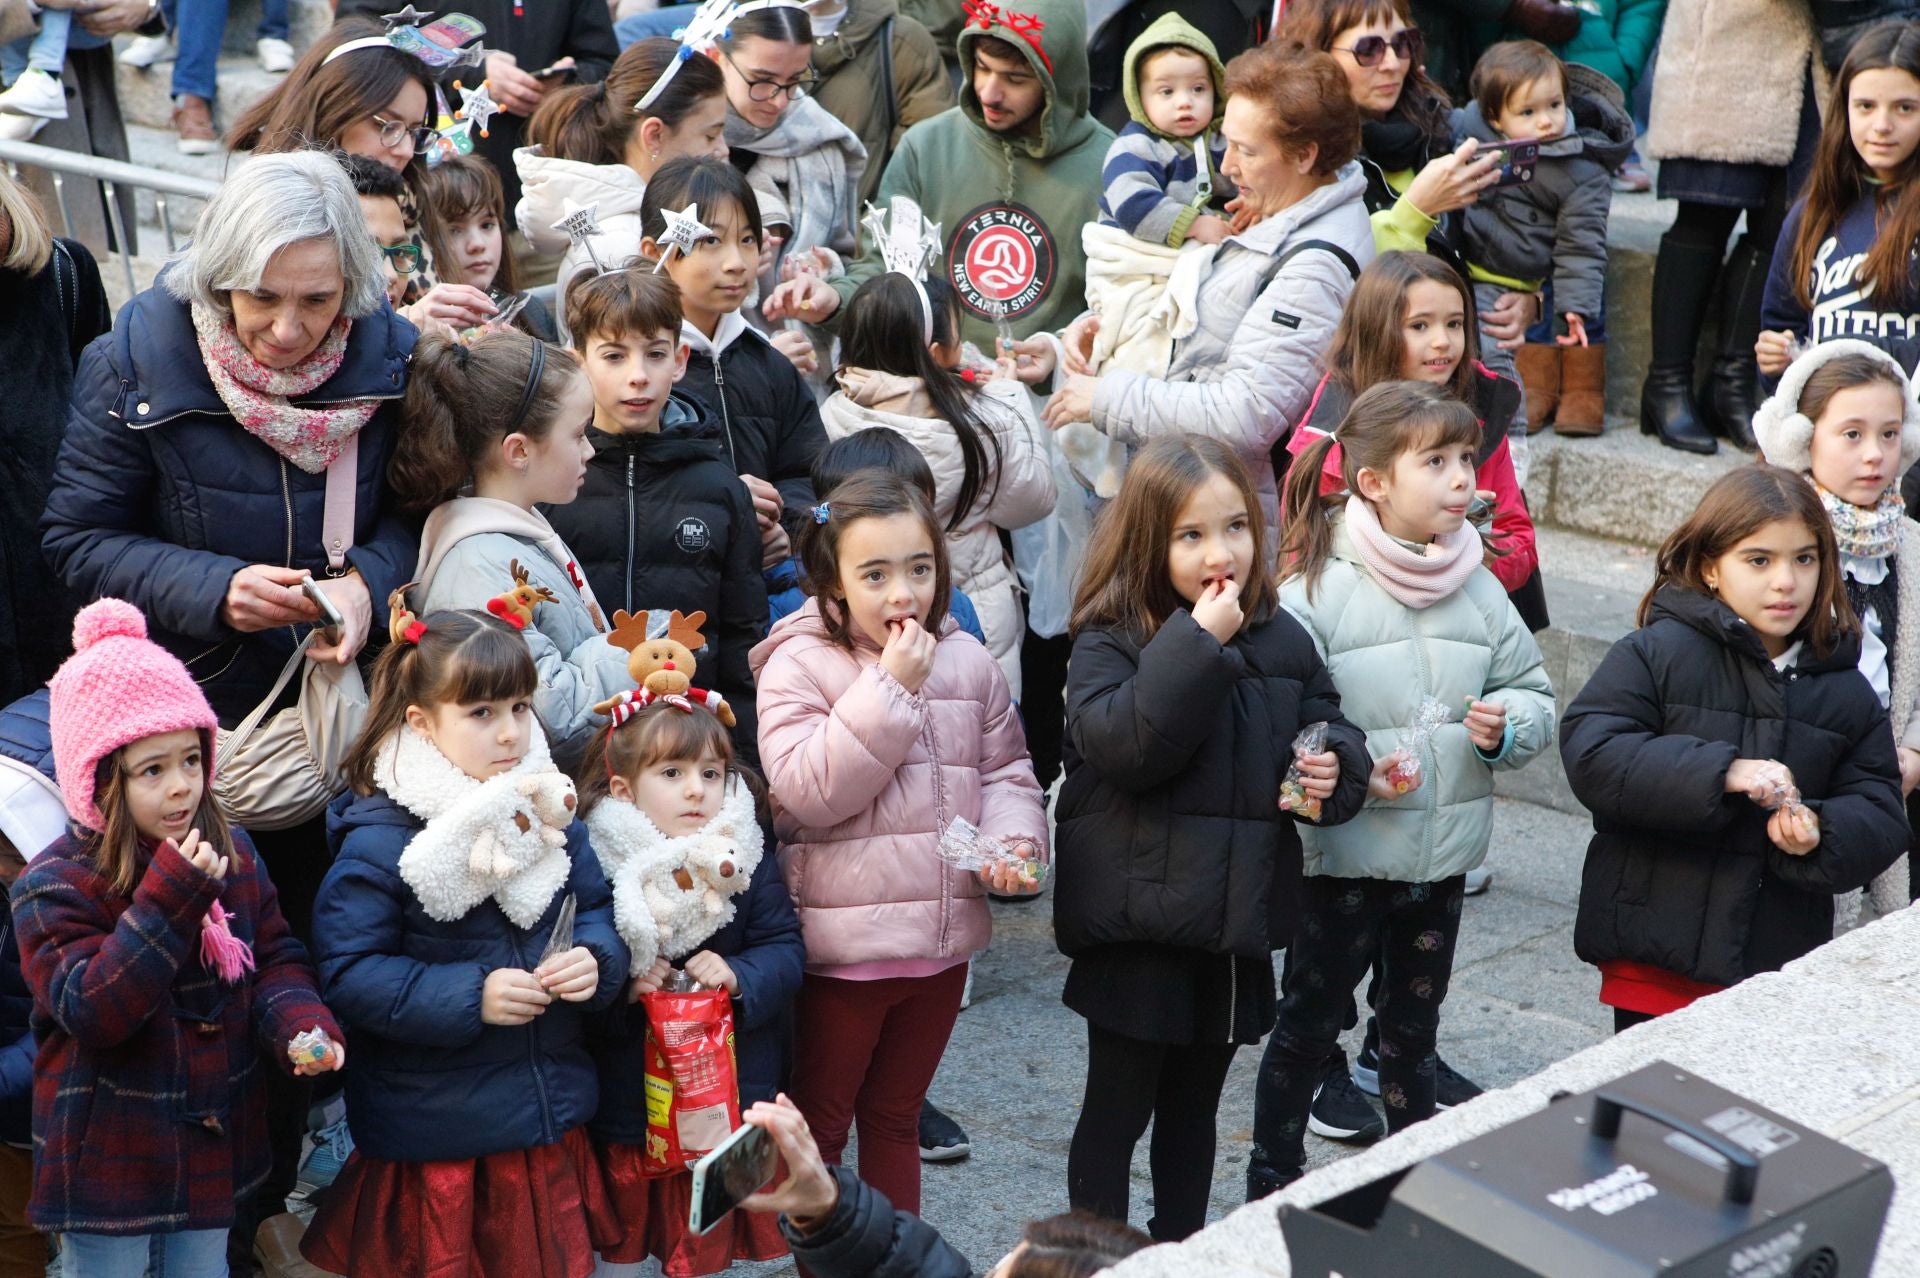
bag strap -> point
(336, 525)
(244, 729)
(889, 91)
(66, 282)
(1325, 246)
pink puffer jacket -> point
(865, 775)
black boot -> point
(1683, 279)
(1733, 385)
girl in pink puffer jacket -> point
(880, 722)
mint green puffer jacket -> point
(1385, 657)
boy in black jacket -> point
(662, 521)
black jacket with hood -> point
(663, 522)
(1177, 874)
(1681, 874)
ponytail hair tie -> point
(402, 625)
(822, 512)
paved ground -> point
(1013, 1074)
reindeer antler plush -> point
(663, 666)
(515, 607)
(402, 625)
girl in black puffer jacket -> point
(1179, 875)
(1739, 690)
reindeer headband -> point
(907, 242)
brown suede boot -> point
(1538, 364)
(1583, 390)
(277, 1247)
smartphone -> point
(331, 622)
(727, 1177)
(1517, 161)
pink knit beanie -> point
(117, 687)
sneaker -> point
(144, 51)
(274, 55)
(1339, 1111)
(36, 94)
(1479, 879)
(941, 1139)
(1631, 178)
(1450, 1087)
(20, 128)
(1366, 1065)
(331, 1145)
(1263, 1180)
(193, 121)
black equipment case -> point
(1657, 1173)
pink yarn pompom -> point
(227, 955)
(104, 619)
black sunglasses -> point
(1406, 45)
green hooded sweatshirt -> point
(1170, 30)
(1010, 207)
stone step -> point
(1621, 485)
(146, 95)
(306, 21)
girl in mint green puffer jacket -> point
(1390, 581)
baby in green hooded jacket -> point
(1162, 172)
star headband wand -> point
(684, 230)
(580, 226)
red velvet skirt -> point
(635, 1216)
(518, 1214)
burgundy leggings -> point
(866, 1051)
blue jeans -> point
(663, 21)
(198, 26)
(195, 1253)
(44, 50)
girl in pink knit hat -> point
(160, 967)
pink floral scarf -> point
(259, 397)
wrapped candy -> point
(1415, 739)
(1294, 798)
(310, 1047)
(1786, 795)
(965, 848)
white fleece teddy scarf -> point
(655, 911)
(504, 838)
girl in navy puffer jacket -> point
(456, 851)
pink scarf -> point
(1416, 580)
(258, 396)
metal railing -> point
(110, 175)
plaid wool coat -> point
(149, 1109)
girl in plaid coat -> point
(161, 971)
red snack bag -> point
(693, 1089)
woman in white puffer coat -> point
(990, 467)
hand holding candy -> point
(1794, 829)
(313, 1051)
(510, 996)
(651, 981)
(1311, 776)
(1015, 876)
(1760, 780)
(1486, 723)
(571, 975)
(1394, 776)
(200, 854)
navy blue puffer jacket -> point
(429, 1079)
(160, 496)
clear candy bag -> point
(561, 940)
(1414, 741)
(1294, 798)
(310, 1047)
(964, 848)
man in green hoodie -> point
(1010, 175)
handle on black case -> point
(1743, 1169)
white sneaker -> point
(37, 94)
(275, 55)
(20, 128)
(144, 51)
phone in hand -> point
(332, 624)
(1517, 161)
(733, 1172)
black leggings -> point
(1344, 924)
(1128, 1083)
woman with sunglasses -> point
(804, 165)
(378, 103)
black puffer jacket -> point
(864, 1237)
(1680, 874)
(1170, 844)
(769, 422)
(662, 523)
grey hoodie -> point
(1554, 227)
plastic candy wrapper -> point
(310, 1047)
(1414, 740)
(1785, 794)
(965, 848)
(561, 939)
(1293, 793)
(692, 1091)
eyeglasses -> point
(1406, 45)
(391, 131)
(768, 90)
(404, 258)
